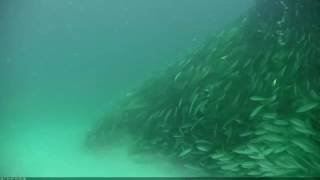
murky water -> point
(63, 64)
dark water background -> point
(63, 64)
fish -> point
(306, 146)
(253, 148)
(191, 167)
(205, 72)
(217, 155)
(227, 123)
(197, 122)
(176, 112)
(211, 54)
(290, 54)
(215, 129)
(280, 122)
(167, 115)
(260, 132)
(308, 85)
(199, 141)
(283, 71)
(224, 57)
(227, 87)
(201, 106)
(181, 131)
(274, 82)
(274, 128)
(226, 158)
(230, 166)
(274, 138)
(203, 145)
(177, 76)
(307, 107)
(270, 115)
(247, 63)
(234, 65)
(254, 173)
(178, 136)
(228, 133)
(279, 149)
(267, 152)
(245, 134)
(239, 121)
(186, 125)
(265, 164)
(248, 165)
(256, 156)
(243, 150)
(297, 12)
(185, 152)
(161, 113)
(180, 103)
(193, 101)
(203, 148)
(297, 122)
(270, 138)
(258, 98)
(256, 111)
(314, 94)
(287, 163)
(236, 99)
(296, 65)
(304, 130)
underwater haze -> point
(64, 64)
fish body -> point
(307, 107)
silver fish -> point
(177, 76)
(286, 163)
(201, 106)
(248, 165)
(260, 132)
(243, 150)
(270, 115)
(224, 57)
(185, 152)
(193, 101)
(245, 134)
(304, 130)
(269, 137)
(180, 103)
(305, 146)
(217, 155)
(258, 98)
(279, 149)
(254, 173)
(199, 141)
(267, 152)
(229, 166)
(273, 128)
(280, 122)
(256, 156)
(256, 111)
(297, 122)
(314, 94)
(290, 54)
(307, 107)
(265, 164)
(274, 138)
(226, 158)
(167, 115)
(204, 148)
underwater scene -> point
(160, 88)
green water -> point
(64, 64)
